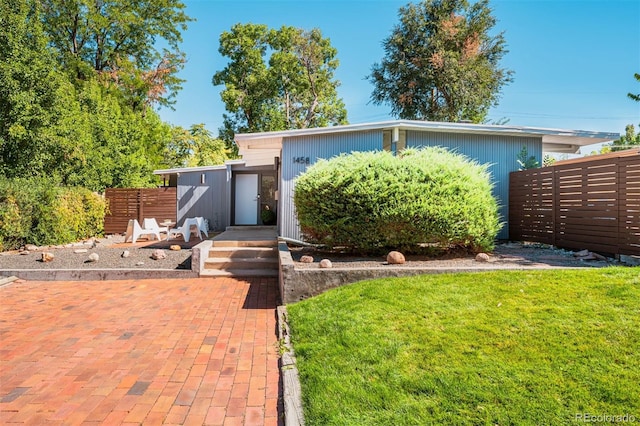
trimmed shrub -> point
(39, 211)
(374, 201)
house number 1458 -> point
(301, 160)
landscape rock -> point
(590, 256)
(482, 257)
(306, 259)
(582, 253)
(599, 256)
(94, 257)
(125, 254)
(325, 263)
(47, 256)
(175, 247)
(158, 254)
(139, 263)
(24, 252)
(79, 251)
(30, 247)
(395, 258)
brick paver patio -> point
(192, 352)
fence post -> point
(140, 206)
(619, 201)
(554, 203)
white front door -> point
(246, 199)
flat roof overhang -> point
(553, 140)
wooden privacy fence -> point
(133, 203)
(588, 203)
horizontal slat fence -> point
(134, 203)
(589, 203)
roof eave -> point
(549, 135)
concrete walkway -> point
(193, 352)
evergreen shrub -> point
(41, 212)
(373, 201)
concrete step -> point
(226, 263)
(239, 273)
(243, 252)
(252, 243)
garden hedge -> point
(41, 212)
(372, 201)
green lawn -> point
(496, 348)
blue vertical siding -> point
(295, 152)
(500, 152)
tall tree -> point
(277, 79)
(628, 141)
(118, 40)
(35, 97)
(195, 147)
(630, 138)
(441, 62)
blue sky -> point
(573, 60)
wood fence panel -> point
(132, 203)
(594, 203)
(531, 213)
(629, 201)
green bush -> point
(373, 201)
(39, 211)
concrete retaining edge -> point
(7, 280)
(291, 391)
(97, 274)
(198, 257)
(297, 284)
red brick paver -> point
(200, 351)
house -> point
(240, 191)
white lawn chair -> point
(203, 226)
(151, 223)
(186, 229)
(135, 231)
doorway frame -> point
(260, 173)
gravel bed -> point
(506, 255)
(110, 252)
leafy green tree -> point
(195, 147)
(118, 40)
(628, 141)
(526, 161)
(441, 62)
(121, 146)
(630, 138)
(35, 98)
(277, 79)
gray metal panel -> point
(295, 152)
(501, 152)
(208, 199)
